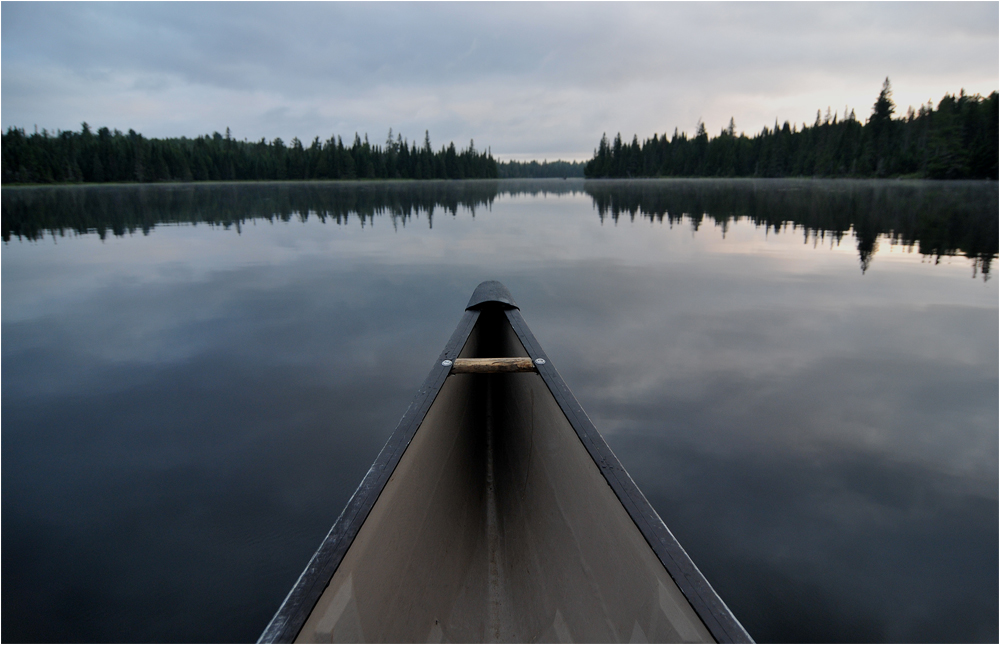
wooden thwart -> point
(492, 365)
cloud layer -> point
(530, 80)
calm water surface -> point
(801, 376)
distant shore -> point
(556, 180)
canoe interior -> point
(497, 525)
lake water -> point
(801, 376)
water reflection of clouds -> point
(208, 433)
(833, 436)
(823, 442)
(730, 348)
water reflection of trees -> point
(936, 218)
(32, 213)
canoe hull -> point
(498, 513)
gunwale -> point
(492, 295)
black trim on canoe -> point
(297, 606)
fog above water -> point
(187, 410)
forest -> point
(955, 140)
(111, 156)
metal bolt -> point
(539, 361)
(446, 363)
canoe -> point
(496, 512)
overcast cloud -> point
(528, 80)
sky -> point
(526, 80)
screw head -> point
(539, 361)
(446, 363)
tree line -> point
(955, 140)
(536, 170)
(112, 156)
